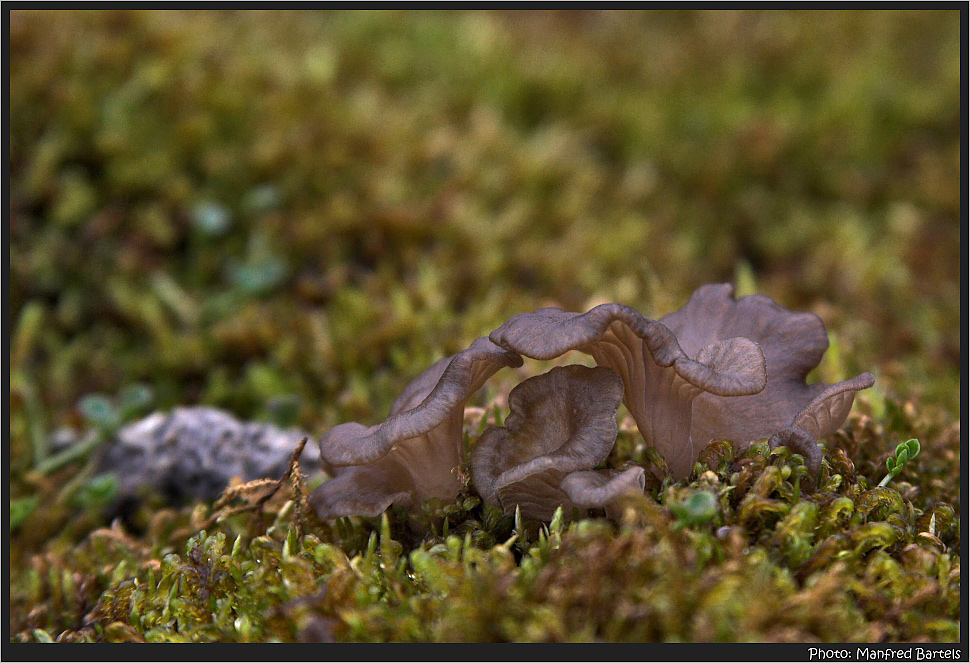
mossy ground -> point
(290, 215)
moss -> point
(841, 564)
(289, 215)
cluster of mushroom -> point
(719, 368)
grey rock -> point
(193, 452)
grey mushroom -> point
(661, 380)
(561, 425)
(793, 344)
(718, 368)
(415, 453)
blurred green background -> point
(290, 214)
(233, 207)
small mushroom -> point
(793, 345)
(661, 380)
(415, 453)
(561, 425)
(718, 368)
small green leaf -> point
(385, 528)
(904, 452)
(134, 397)
(702, 503)
(290, 543)
(555, 524)
(913, 446)
(99, 411)
(699, 508)
(371, 546)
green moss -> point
(290, 215)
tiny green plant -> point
(905, 452)
(105, 415)
(108, 414)
(699, 508)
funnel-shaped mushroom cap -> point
(562, 424)
(718, 368)
(793, 344)
(414, 454)
(661, 380)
